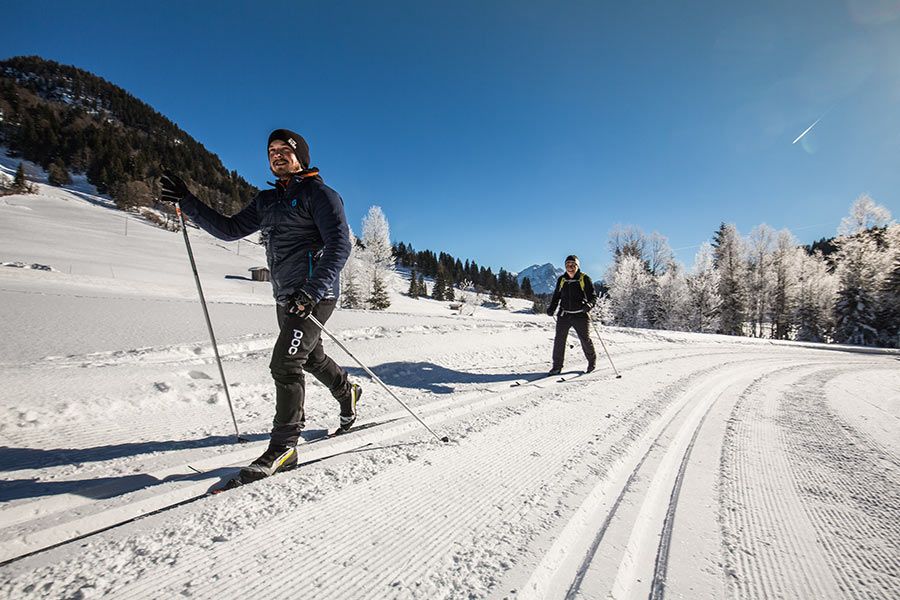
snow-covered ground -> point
(715, 467)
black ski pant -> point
(299, 349)
(581, 323)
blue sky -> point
(519, 132)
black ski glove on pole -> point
(549, 312)
(173, 188)
(300, 304)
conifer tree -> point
(497, 296)
(816, 295)
(889, 307)
(860, 271)
(703, 292)
(423, 288)
(527, 292)
(413, 285)
(20, 183)
(349, 289)
(379, 299)
(438, 291)
(57, 174)
(731, 269)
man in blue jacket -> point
(307, 242)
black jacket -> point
(569, 295)
(304, 230)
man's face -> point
(282, 159)
(571, 267)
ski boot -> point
(275, 459)
(348, 408)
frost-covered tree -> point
(865, 214)
(670, 298)
(351, 276)
(602, 312)
(785, 264)
(376, 238)
(378, 256)
(659, 253)
(861, 269)
(815, 298)
(653, 250)
(887, 312)
(629, 291)
(760, 282)
(728, 260)
(703, 292)
(627, 241)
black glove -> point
(173, 187)
(549, 312)
(300, 304)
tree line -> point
(447, 270)
(845, 290)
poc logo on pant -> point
(295, 342)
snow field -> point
(716, 467)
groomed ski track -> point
(700, 474)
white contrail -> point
(799, 137)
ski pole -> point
(597, 331)
(376, 378)
(212, 336)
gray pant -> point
(299, 349)
(581, 323)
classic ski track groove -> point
(562, 572)
(784, 537)
(843, 468)
(439, 529)
(40, 510)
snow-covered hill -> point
(714, 467)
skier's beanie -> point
(575, 258)
(295, 141)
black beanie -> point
(295, 141)
(574, 258)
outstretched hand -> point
(173, 187)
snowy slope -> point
(715, 467)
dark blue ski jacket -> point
(304, 230)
